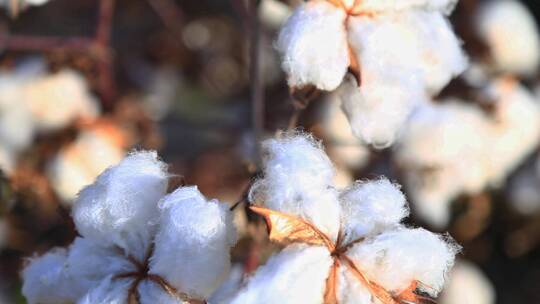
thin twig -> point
(106, 81)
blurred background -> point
(83, 82)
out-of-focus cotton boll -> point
(58, 99)
(299, 179)
(412, 253)
(516, 131)
(230, 287)
(467, 285)
(373, 246)
(313, 44)
(120, 207)
(203, 226)
(96, 148)
(136, 246)
(343, 147)
(524, 191)
(442, 152)
(295, 275)
(371, 207)
(46, 281)
(510, 31)
(274, 13)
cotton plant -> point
(339, 246)
(97, 146)
(399, 52)
(510, 31)
(137, 244)
(455, 148)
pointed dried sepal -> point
(287, 229)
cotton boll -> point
(382, 6)
(120, 208)
(299, 180)
(313, 44)
(378, 109)
(230, 287)
(371, 207)
(516, 129)
(467, 284)
(395, 259)
(295, 275)
(416, 42)
(199, 263)
(442, 152)
(95, 149)
(8, 160)
(510, 31)
(46, 282)
(110, 291)
(58, 99)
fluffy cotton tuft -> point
(45, 280)
(394, 258)
(298, 175)
(204, 227)
(371, 239)
(371, 207)
(135, 245)
(313, 44)
(510, 31)
(120, 207)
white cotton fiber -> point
(295, 275)
(151, 293)
(442, 153)
(313, 45)
(371, 207)
(230, 287)
(46, 282)
(382, 6)
(109, 291)
(467, 284)
(516, 130)
(120, 207)
(415, 43)
(90, 262)
(378, 109)
(199, 262)
(394, 259)
(298, 179)
(350, 289)
(58, 99)
(510, 31)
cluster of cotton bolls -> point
(341, 246)
(97, 146)
(401, 52)
(137, 243)
(456, 148)
(32, 102)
